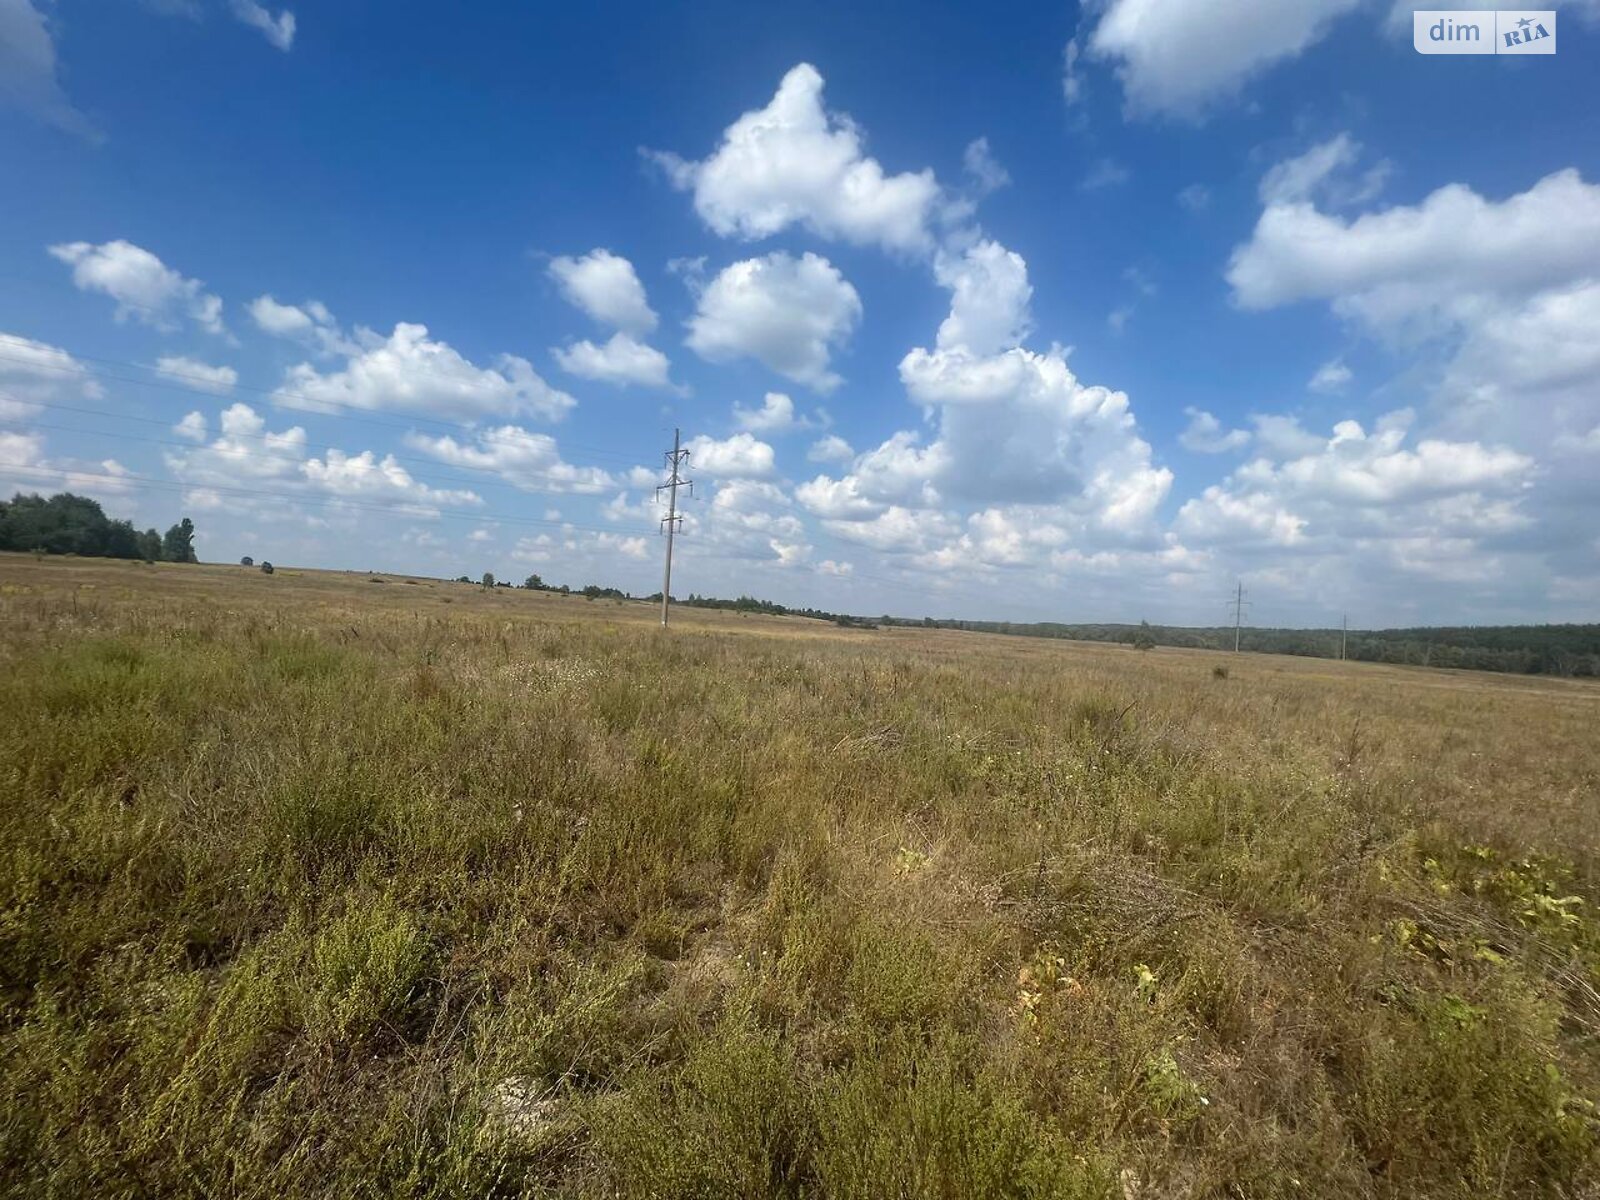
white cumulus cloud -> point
(830, 449)
(1179, 56)
(25, 468)
(1331, 378)
(741, 456)
(777, 415)
(989, 298)
(621, 360)
(1359, 485)
(1431, 259)
(786, 313)
(794, 163)
(28, 78)
(519, 456)
(1206, 435)
(411, 372)
(1325, 171)
(243, 450)
(310, 323)
(277, 29)
(983, 168)
(1025, 460)
(606, 287)
(367, 477)
(34, 373)
(193, 426)
(143, 286)
(196, 375)
(1495, 300)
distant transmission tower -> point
(1238, 604)
(676, 458)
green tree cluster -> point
(69, 524)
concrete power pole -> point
(670, 523)
(1238, 604)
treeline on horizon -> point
(69, 524)
(1564, 650)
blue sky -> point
(1018, 311)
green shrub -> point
(367, 974)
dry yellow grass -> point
(321, 885)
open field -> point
(316, 885)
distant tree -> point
(533, 583)
(178, 545)
(150, 546)
(488, 579)
(266, 568)
(247, 561)
(1143, 638)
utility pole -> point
(670, 523)
(1238, 604)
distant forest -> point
(1565, 650)
(68, 524)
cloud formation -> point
(144, 288)
(1026, 462)
(741, 456)
(1206, 435)
(529, 460)
(794, 163)
(621, 360)
(28, 69)
(1178, 57)
(34, 373)
(606, 287)
(196, 375)
(788, 314)
(410, 372)
(277, 29)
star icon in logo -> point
(1524, 23)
